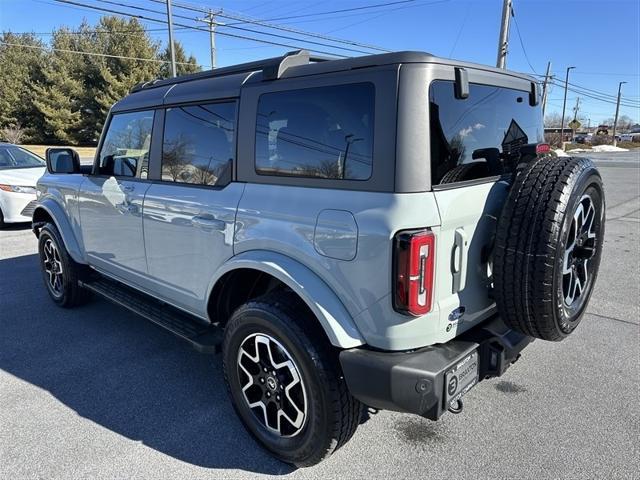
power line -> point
(594, 93)
(386, 12)
(108, 32)
(524, 50)
(143, 17)
(462, 25)
(95, 54)
(353, 9)
(262, 23)
(285, 37)
(582, 89)
(598, 98)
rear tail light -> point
(414, 259)
(542, 148)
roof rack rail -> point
(272, 69)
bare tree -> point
(552, 120)
(13, 133)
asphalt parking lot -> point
(99, 392)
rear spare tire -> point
(548, 246)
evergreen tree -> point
(63, 96)
(21, 68)
(59, 97)
(114, 77)
(184, 64)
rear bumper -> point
(414, 382)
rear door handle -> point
(459, 260)
(209, 222)
(127, 188)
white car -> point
(629, 137)
(19, 171)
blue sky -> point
(600, 38)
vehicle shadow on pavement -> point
(123, 373)
(17, 227)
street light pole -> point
(615, 121)
(172, 51)
(564, 105)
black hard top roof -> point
(226, 82)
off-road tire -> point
(466, 171)
(532, 238)
(333, 414)
(70, 293)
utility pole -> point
(564, 105)
(172, 50)
(503, 41)
(615, 121)
(545, 88)
(576, 109)
(210, 20)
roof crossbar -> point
(272, 69)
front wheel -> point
(61, 274)
(285, 382)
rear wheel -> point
(285, 382)
(548, 246)
(61, 274)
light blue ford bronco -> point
(381, 232)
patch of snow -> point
(561, 153)
(608, 148)
(580, 150)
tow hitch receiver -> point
(460, 379)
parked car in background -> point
(630, 137)
(583, 137)
(20, 169)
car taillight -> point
(414, 260)
(542, 148)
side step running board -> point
(204, 338)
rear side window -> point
(472, 138)
(125, 150)
(324, 132)
(198, 144)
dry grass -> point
(40, 149)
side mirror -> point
(62, 160)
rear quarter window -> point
(470, 138)
(322, 132)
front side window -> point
(324, 132)
(474, 138)
(198, 145)
(125, 150)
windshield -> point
(16, 157)
(471, 137)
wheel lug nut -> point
(261, 380)
(265, 369)
(268, 395)
(278, 397)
